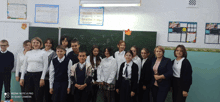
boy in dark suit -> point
(6, 65)
(81, 76)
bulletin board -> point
(212, 32)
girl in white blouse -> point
(136, 60)
(107, 74)
(48, 43)
(94, 59)
(36, 65)
(20, 61)
(65, 42)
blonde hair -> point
(159, 47)
(120, 42)
(38, 39)
(4, 41)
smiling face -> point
(144, 54)
(35, 44)
(60, 53)
(158, 53)
(179, 52)
(27, 46)
(128, 57)
(4, 46)
(82, 57)
(48, 44)
(107, 54)
(65, 43)
(134, 51)
(75, 46)
(95, 51)
(122, 47)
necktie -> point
(126, 71)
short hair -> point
(183, 50)
(159, 47)
(120, 42)
(109, 51)
(75, 41)
(63, 38)
(25, 42)
(38, 39)
(60, 47)
(146, 50)
(129, 51)
(5, 41)
(135, 48)
(51, 42)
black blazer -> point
(164, 68)
(146, 74)
(134, 77)
(185, 74)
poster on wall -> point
(185, 32)
(48, 14)
(17, 9)
(93, 16)
(212, 32)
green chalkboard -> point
(44, 33)
(87, 38)
(141, 39)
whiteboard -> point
(15, 35)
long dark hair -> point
(98, 60)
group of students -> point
(69, 75)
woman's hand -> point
(117, 90)
(51, 91)
(68, 90)
(41, 82)
(144, 87)
(17, 79)
(132, 93)
(185, 94)
(22, 82)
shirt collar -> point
(121, 53)
(82, 65)
(4, 51)
(145, 59)
(109, 57)
(61, 60)
(48, 50)
(136, 57)
(129, 64)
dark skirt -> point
(177, 91)
(125, 91)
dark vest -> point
(80, 74)
(61, 70)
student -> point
(127, 83)
(48, 43)
(75, 51)
(65, 42)
(182, 74)
(36, 65)
(20, 61)
(107, 72)
(60, 76)
(94, 59)
(162, 72)
(81, 76)
(144, 83)
(136, 60)
(6, 65)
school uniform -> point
(127, 81)
(60, 78)
(120, 58)
(81, 74)
(107, 75)
(35, 66)
(161, 87)
(20, 61)
(68, 50)
(145, 79)
(182, 79)
(73, 57)
(137, 60)
(6, 65)
(95, 87)
(47, 95)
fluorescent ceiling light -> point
(109, 3)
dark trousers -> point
(32, 86)
(146, 95)
(108, 95)
(80, 95)
(60, 91)
(93, 95)
(70, 97)
(5, 78)
(177, 91)
(23, 90)
(158, 94)
(125, 92)
(47, 95)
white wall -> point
(153, 15)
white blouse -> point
(120, 58)
(107, 70)
(137, 60)
(177, 67)
(143, 61)
(94, 59)
(68, 50)
(48, 52)
(20, 61)
(129, 69)
(35, 61)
